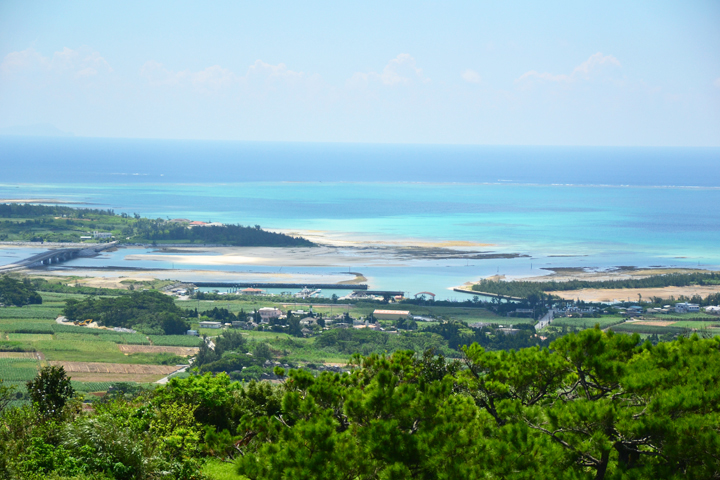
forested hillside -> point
(595, 405)
(38, 223)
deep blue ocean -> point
(562, 206)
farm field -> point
(587, 322)
(101, 367)
(110, 373)
(180, 351)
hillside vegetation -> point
(595, 405)
(37, 223)
(149, 312)
(18, 293)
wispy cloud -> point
(401, 70)
(471, 76)
(216, 77)
(80, 63)
(584, 71)
(717, 82)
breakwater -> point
(327, 286)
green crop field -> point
(632, 327)
(587, 322)
(175, 340)
(700, 325)
(31, 311)
(18, 369)
(29, 337)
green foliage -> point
(365, 341)
(524, 289)
(65, 224)
(15, 292)
(594, 405)
(7, 393)
(18, 369)
(175, 340)
(227, 235)
(149, 311)
(50, 391)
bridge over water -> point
(57, 255)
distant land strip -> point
(328, 286)
(485, 294)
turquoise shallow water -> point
(589, 207)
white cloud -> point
(584, 71)
(23, 60)
(81, 63)
(274, 71)
(216, 77)
(401, 70)
(471, 76)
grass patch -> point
(218, 470)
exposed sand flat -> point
(346, 239)
(631, 294)
(366, 254)
(108, 278)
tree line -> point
(26, 210)
(150, 312)
(18, 293)
(524, 289)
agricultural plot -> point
(18, 369)
(33, 355)
(177, 340)
(154, 349)
(29, 337)
(656, 323)
(98, 367)
(587, 322)
(637, 327)
(31, 311)
(114, 372)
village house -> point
(268, 313)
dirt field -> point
(654, 323)
(35, 355)
(114, 377)
(623, 294)
(181, 351)
(97, 367)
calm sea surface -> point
(561, 206)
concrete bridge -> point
(56, 256)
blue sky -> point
(509, 73)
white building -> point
(266, 313)
(210, 325)
(686, 307)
